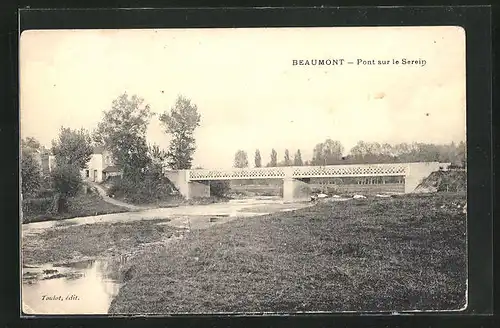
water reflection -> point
(79, 288)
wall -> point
(37, 156)
(52, 162)
(198, 189)
(419, 171)
(191, 189)
(96, 163)
(178, 178)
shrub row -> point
(146, 189)
(37, 206)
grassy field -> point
(392, 254)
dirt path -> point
(106, 198)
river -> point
(88, 287)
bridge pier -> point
(296, 190)
(188, 189)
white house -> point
(100, 166)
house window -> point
(87, 173)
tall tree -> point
(297, 161)
(274, 159)
(180, 123)
(462, 154)
(286, 160)
(369, 152)
(327, 153)
(122, 131)
(72, 147)
(258, 159)
(240, 159)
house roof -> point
(112, 168)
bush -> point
(45, 193)
(145, 188)
(67, 180)
(219, 188)
(37, 206)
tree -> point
(73, 147)
(327, 153)
(158, 157)
(240, 159)
(286, 160)
(258, 159)
(274, 159)
(365, 152)
(402, 148)
(387, 153)
(297, 161)
(462, 154)
(30, 172)
(30, 144)
(67, 181)
(122, 131)
(370, 152)
(181, 122)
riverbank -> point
(393, 254)
(95, 204)
(92, 236)
(79, 206)
(73, 243)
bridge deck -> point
(298, 172)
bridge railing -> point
(235, 173)
(350, 170)
(300, 172)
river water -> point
(88, 287)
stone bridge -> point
(195, 183)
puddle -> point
(85, 287)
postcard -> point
(243, 170)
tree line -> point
(331, 152)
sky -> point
(248, 92)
